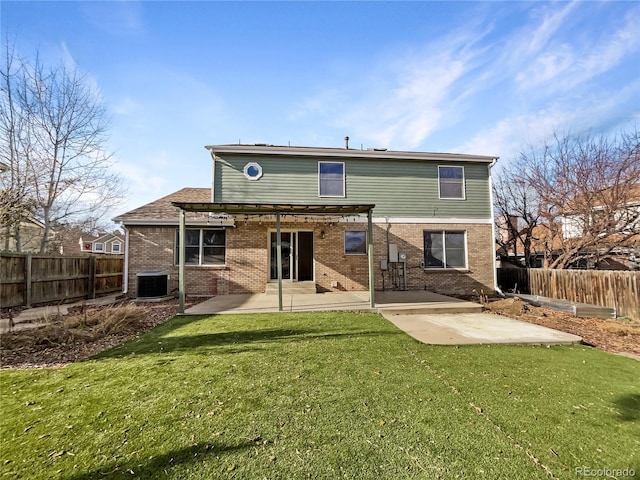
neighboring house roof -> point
(606, 197)
(378, 153)
(105, 237)
(162, 212)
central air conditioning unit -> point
(153, 284)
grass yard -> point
(319, 395)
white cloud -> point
(552, 22)
(400, 102)
(126, 106)
(116, 17)
(511, 135)
(564, 66)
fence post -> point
(27, 280)
(91, 290)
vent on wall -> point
(153, 284)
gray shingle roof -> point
(161, 212)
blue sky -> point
(470, 77)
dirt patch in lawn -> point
(613, 335)
(84, 332)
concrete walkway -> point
(476, 328)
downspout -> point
(125, 280)
(213, 176)
(493, 230)
(181, 261)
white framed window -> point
(202, 246)
(355, 242)
(445, 249)
(331, 179)
(115, 248)
(253, 171)
(99, 247)
(451, 182)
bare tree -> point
(58, 126)
(588, 190)
(517, 210)
(16, 184)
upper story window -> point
(99, 247)
(331, 179)
(115, 247)
(202, 246)
(451, 182)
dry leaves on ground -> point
(609, 334)
(83, 333)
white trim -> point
(349, 219)
(296, 151)
(420, 220)
(214, 223)
(464, 189)
(344, 180)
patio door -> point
(297, 256)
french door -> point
(297, 256)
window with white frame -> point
(331, 179)
(355, 242)
(99, 247)
(202, 246)
(444, 249)
(451, 182)
(115, 248)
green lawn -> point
(319, 395)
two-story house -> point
(426, 216)
(107, 243)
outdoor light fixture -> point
(322, 234)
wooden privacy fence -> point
(607, 288)
(31, 279)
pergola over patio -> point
(276, 209)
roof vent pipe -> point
(346, 143)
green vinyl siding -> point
(398, 188)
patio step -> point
(289, 288)
(435, 308)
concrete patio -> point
(405, 302)
(426, 316)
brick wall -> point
(409, 238)
(247, 268)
